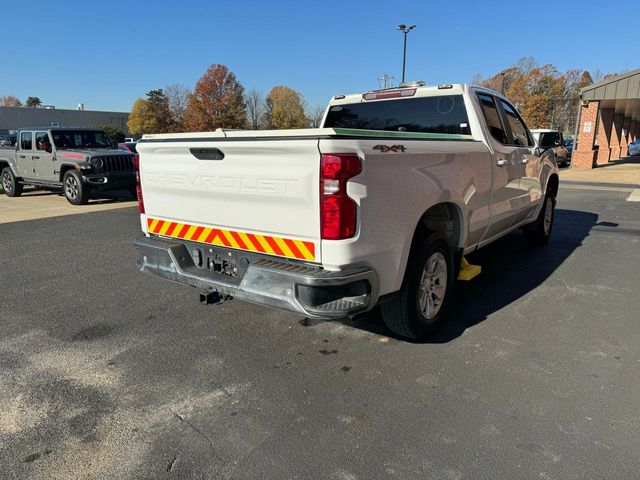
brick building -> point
(609, 119)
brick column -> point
(614, 138)
(624, 138)
(604, 135)
(584, 156)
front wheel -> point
(77, 193)
(10, 184)
(420, 306)
(540, 231)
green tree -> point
(285, 109)
(150, 115)
(115, 134)
(217, 101)
(33, 102)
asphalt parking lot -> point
(107, 373)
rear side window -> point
(518, 130)
(26, 141)
(441, 114)
(492, 117)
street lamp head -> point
(412, 27)
(402, 27)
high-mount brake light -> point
(338, 211)
(136, 165)
(384, 94)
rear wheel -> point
(10, 184)
(77, 193)
(420, 306)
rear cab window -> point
(441, 114)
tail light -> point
(136, 164)
(338, 211)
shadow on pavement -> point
(624, 160)
(511, 268)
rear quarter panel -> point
(395, 189)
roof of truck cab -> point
(421, 91)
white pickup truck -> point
(376, 207)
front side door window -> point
(43, 158)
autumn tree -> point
(33, 102)
(255, 105)
(178, 97)
(10, 101)
(545, 97)
(150, 115)
(285, 109)
(217, 101)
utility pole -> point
(405, 29)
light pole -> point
(404, 29)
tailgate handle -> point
(207, 153)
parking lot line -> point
(635, 196)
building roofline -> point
(607, 81)
(67, 110)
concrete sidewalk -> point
(625, 171)
(35, 204)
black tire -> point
(539, 231)
(10, 184)
(76, 192)
(404, 314)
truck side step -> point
(468, 271)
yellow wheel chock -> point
(468, 271)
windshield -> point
(437, 114)
(80, 139)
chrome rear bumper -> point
(264, 280)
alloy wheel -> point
(433, 285)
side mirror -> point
(49, 149)
(548, 140)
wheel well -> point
(444, 218)
(64, 170)
(553, 184)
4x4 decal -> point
(390, 148)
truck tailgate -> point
(262, 196)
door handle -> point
(501, 163)
(35, 157)
(23, 156)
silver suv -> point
(80, 160)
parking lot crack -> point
(201, 433)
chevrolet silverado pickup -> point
(376, 207)
(80, 160)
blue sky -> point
(106, 54)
